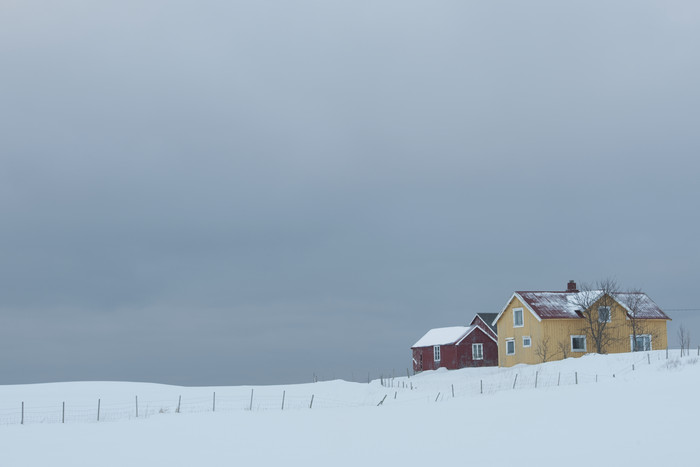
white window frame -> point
(640, 335)
(507, 342)
(477, 351)
(522, 318)
(529, 341)
(609, 314)
(436, 353)
(585, 344)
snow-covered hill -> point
(628, 409)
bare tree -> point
(563, 349)
(598, 321)
(684, 340)
(633, 300)
(542, 349)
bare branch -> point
(633, 300)
(597, 319)
(542, 349)
(563, 349)
(684, 340)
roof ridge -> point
(544, 291)
(566, 291)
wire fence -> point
(544, 377)
(386, 391)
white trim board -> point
(525, 304)
(474, 326)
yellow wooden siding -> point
(552, 337)
(506, 330)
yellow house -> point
(536, 327)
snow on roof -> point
(556, 304)
(644, 307)
(443, 336)
(549, 305)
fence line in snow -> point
(405, 392)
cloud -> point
(304, 185)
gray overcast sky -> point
(225, 192)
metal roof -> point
(488, 319)
(562, 305)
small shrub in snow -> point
(673, 363)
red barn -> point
(455, 347)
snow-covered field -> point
(579, 414)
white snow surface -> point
(442, 336)
(594, 409)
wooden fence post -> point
(179, 399)
(436, 397)
(63, 413)
(576, 376)
(22, 422)
(137, 406)
(98, 410)
(283, 393)
(515, 380)
(453, 391)
(649, 359)
(481, 386)
(251, 400)
(559, 378)
(312, 401)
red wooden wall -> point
(453, 356)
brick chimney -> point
(571, 287)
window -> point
(643, 343)
(604, 314)
(436, 353)
(510, 346)
(578, 343)
(477, 351)
(517, 317)
(527, 342)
